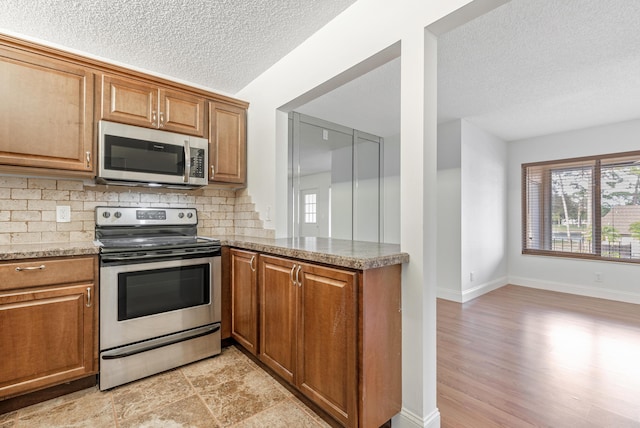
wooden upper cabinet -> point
(144, 104)
(46, 113)
(227, 144)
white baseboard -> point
(580, 290)
(472, 293)
(408, 419)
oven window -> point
(162, 290)
(129, 154)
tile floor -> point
(228, 390)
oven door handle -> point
(139, 348)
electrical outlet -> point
(598, 277)
(63, 213)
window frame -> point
(596, 207)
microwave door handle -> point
(187, 161)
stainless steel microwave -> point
(135, 156)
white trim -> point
(408, 419)
(580, 290)
(472, 293)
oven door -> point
(141, 301)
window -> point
(586, 207)
(310, 207)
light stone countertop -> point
(335, 252)
(51, 249)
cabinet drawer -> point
(39, 272)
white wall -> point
(391, 190)
(483, 212)
(472, 209)
(325, 61)
(620, 281)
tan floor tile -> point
(284, 415)
(231, 364)
(189, 412)
(240, 398)
(142, 396)
(58, 401)
(93, 409)
(6, 417)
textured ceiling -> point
(527, 68)
(219, 44)
(535, 67)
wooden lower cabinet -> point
(244, 298)
(48, 333)
(308, 321)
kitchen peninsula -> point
(321, 314)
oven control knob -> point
(106, 214)
(181, 215)
(117, 214)
(189, 215)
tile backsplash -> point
(28, 209)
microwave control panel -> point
(198, 160)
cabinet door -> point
(46, 114)
(278, 308)
(326, 362)
(244, 298)
(129, 101)
(46, 337)
(227, 144)
(182, 112)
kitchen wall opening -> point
(336, 181)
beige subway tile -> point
(149, 198)
(41, 183)
(107, 196)
(204, 200)
(186, 199)
(89, 226)
(129, 197)
(55, 195)
(55, 236)
(13, 226)
(41, 226)
(91, 205)
(25, 216)
(70, 185)
(5, 215)
(73, 226)
(13, 182)
(25, 238)
(169, 198)
(75, 206)
(5, 193)
(81, 236)
(26, 194)
(88, 195)
(48, 216)
(40, 205)
(5, 238)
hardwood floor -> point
(521, 357)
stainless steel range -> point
(159, 292)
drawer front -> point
(39, 272)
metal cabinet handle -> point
(212, 173)
(298, 277)
(253, 268)
(20, 269)
(89, 303)
(88, 159)
(153, 117)
(291, 274)
(161, 123)
(187, 161)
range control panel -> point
(133, 216)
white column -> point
(418, 229)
